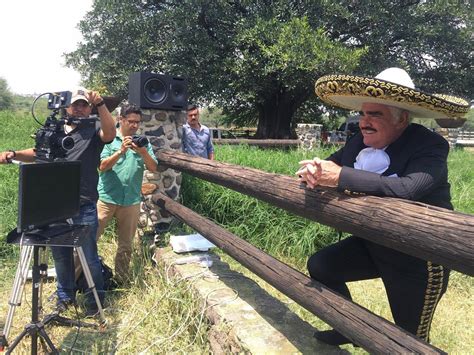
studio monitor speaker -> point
(157, 91)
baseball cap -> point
(79, 94)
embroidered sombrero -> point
(392, 87)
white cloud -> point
(34, 36)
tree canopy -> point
(259, 59)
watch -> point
(100, 103)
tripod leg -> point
(43, 269)
(90, 281)
(18, 286)
(67, 322)
(17, 341)
(48, 341)
(33, 327)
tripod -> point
(61, 235)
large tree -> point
(258, 59)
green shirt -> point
(122, 184)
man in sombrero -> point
(393, 157)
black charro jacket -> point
(418, 157)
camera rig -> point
(51, 141)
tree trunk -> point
(275, 116)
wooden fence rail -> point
(259, 142)
(431, 233)
(467, 135)
(370, 331)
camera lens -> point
(140, 141)
(67, 143)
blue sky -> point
(33, 36)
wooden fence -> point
(466, 135)
(465, 138)
(260, 142)
(424, 231)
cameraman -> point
(121, 173)
(88, 143)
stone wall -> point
(309, 135)
(164, 131)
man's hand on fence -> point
(319, 172)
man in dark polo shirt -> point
(88, 143)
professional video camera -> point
(52, 142)
(140, 141)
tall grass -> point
(267, 227)
(461, 178)
(154, 314)
(14, 134)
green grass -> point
(14, 134)
(461, 178)
(267, 227)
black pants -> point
(414, 286)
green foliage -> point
(120, 38)
(258, 60)
(23, 105)
(431, 39)
(469, 125)
(275, 70)
(6, 97)
(213, 117)
(14, 134)
(213, 45)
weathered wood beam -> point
(431, 233)
(370, 331)
(259, 142)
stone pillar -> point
(453, 126)
(309, 135)
(453, 136)
(164, 131)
